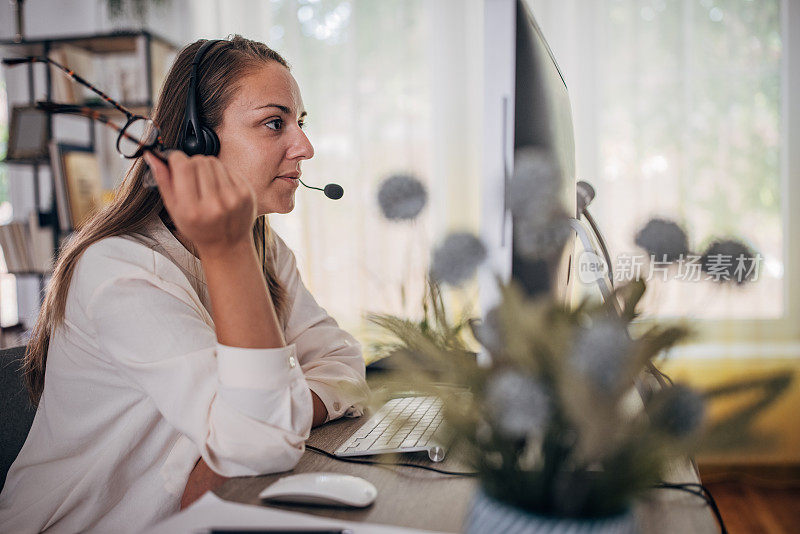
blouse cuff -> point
(332, 399)
(239, 367)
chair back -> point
(16, 411)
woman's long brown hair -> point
(220, 71)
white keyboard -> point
(406, 424)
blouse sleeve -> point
(248, 411)
(330, 357)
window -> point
(387, 90)
(681, 112)
(689, 117)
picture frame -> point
(28, 134)
(77, 184)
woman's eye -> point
(279, 124)
(273, 121)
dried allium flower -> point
(662, 237)
(538, 240)
(680, 411)
(402, 197)
(535, 186)
(518, 403)
(541, 226)
(729, 260)
(457, 258)
(602, 351)
(489, 333)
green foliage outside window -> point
(698, 82)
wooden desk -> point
(422, 499)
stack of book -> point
(27, 247)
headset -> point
(194, 137)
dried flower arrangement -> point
(553, 424)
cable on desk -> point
(693, 488)
(391, 464)
(701, 491)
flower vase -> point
(488, 515)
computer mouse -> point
(332, 489)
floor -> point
(756, 500)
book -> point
(10, 250)
(80, 61)
(60, 187)
(41, 244)
(27, 248)
(19, 245)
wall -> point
(779, 421)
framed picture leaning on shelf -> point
(77, 183)
(27, 135)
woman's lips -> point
(294, 181)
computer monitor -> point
(526, 104)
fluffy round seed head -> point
(662, 237)
(518, 404)
(729, 260)
(489, 331)
(535, 186)
(402, 197)
(457, 258)
(602, 351)
(680, 411)
(539, 239)
(541, 226)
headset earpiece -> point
(204, 141)
(196, 138)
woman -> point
(177, 344)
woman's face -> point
(261, 136)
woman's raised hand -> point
(213, 208)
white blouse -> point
(137, 389)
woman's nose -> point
(301, 147)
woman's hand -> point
(211, 207)
(215, 210)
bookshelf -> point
(142, 59)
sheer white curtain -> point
(391, 87)
(678, 110)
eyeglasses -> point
(139, 134)
(134, 138)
